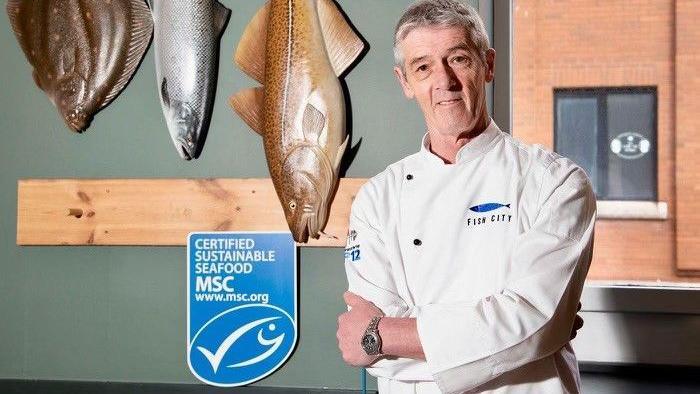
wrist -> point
(388, 326)
(400, 337)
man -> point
(466, 260)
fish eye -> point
(292, 205)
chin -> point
(456, 126)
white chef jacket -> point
(489, 254)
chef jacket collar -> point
(470, 151)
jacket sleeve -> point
(367, 264)
(369, 271)
(468, 344)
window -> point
(611, 134)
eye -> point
(422, 68)
(461, 60)
(292, 205)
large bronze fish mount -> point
(297, 49)
(83, 52)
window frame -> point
(601, 95)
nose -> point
(445, 77)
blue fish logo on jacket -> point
(488, 207)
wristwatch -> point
(371, 341)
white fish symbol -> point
(216, 357)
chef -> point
(465, 260)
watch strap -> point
(373, 324)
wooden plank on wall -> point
(158, 212)
(687, 140)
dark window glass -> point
(579, 116)
(611, 134)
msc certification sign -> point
(241, 307)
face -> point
(71, 97)
(184, 127)
(306, 192)
(446, 75)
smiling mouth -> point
(449, 102)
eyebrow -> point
(459, 47)
(417, 60)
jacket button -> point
(417, 242)
(409, 177)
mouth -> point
(77, 121)
(447, 103)
(302, 230)
(307, 226)
(77, 126)
(186, 149)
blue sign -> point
(241, 306)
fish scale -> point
(186, 40)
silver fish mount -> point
(186, 41)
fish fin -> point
(141, 24)
(342, 43)
(341, 152)
(14, 9)
(37, 80)
(250, 54)
(164, 94)
(313, 123)
(248, 104)
(507, 205)
(221, 15)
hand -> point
(351, 328)
(578, 323)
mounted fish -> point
(297, 49)
(186, 41)
(83, 52)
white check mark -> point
(216, 357)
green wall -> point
(118, 313)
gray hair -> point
(441, 13)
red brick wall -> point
(688, 134)
(612, 43)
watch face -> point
(370, 343)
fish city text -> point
(489, 219)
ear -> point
(407, 90)
(490, 64)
